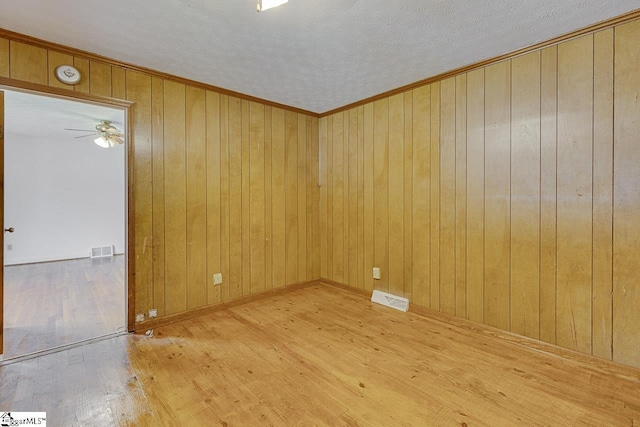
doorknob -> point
(8, 230)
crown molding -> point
(609, 23)
(33, 41)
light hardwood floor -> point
(57, 303)
(318, 356)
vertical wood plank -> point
(362, 278)
(99, 78)
(448, 196)
(421, 207)
(602, 194)
(497, 195)
(302, 198)
(626, 233)
(28, 62)
(118, 83)
(368, 131)
(575, 164)
(315, 173)
(158, 236)
(345, 193)
(311, 208)
(257, 199)
(338, 196)
(525, 195)
(395, 202)
(475, 195)
(235, 197)
(225, 202)
(291, 195)
(213, 220)
(381, 192)
(461, 197)
(175, 198)
(139, 91)
(548, 199)
(268, 206)
(352, 197)
(54, 60)
(322, 139)
(195, 125)
(82, 65)
(435, 197)
(279, 197)
(246, 200)
(4, 57)
(330, 175)
(408, 195)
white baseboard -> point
(50, 258)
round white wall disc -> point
(68, 74)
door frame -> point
(127, 107)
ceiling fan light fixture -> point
(108, 141)
(268, 4)
(117, 139)
(102, 142)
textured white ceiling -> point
(315, 55)
(47, 117)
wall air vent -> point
(389, 300)
(101, 252)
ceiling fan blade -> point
(80, 130)
(83, 136)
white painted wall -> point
(62, 197)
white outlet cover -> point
(376, 273)
(217, 278)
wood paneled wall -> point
(508, 195)
(221, 184)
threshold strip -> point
(35, 354)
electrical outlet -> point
(376, 273)
(139, 317)
(153, 313)
(217, 278)
(9, 247)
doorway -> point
(65, 201)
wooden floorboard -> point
(57, 303)
(317, 356)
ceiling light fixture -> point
(268, 4)
(108, 135)
(108, 141)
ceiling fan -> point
(108, 135)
